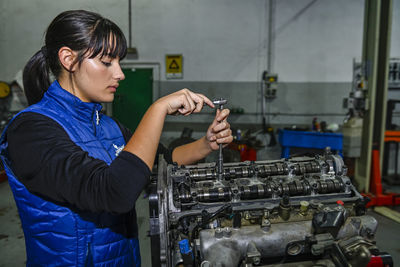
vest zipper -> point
(89, 260)
(94, 125)
(95, 130)
(97, 117)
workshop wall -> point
(23, 24)
(224, 48)
(296, 102)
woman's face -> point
(96, 79)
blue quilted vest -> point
(56, 235)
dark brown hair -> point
(85, 32)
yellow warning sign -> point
(173, 66)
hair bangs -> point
(107, 40)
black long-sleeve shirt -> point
(50, 164)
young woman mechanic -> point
(76, 173)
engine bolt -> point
(218, 233)
(265, 225)
(227, 232)
(304, 207)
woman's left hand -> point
(219, 131)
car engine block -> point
(302, 211)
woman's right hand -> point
(184, 102)
(144, 141)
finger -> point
(223, 134)
(201, 100)
(207, 101)
(185, 105)
(219, 116)
(211, 127)
(223, 114)
(221, 126)
(225, 140)
(216, 120)
(184, 112)
(190, 98)
(212, 138)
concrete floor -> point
(12, 246)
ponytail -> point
(36, 77)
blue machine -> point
(305, 139)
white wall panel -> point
(224, 40)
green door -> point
(133, 97)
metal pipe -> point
(220, 157)
(221, 102)
(271, 35)
(130, 23)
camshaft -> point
(258, 191)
